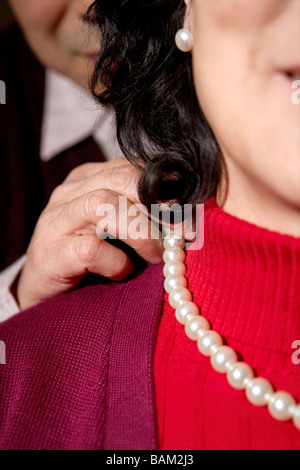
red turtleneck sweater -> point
(246, 281)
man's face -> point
(57, 35)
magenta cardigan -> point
(79, 371)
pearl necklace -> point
(224, 360)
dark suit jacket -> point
(25, 182)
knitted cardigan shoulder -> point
(79, 369)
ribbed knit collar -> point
(247, 281)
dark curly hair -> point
(149, 83)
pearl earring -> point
(184, 40)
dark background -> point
(5, 13)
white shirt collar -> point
(70, 116)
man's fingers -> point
(67, 261)
(88, 169)
(121, 178)
(104, 211)
(130, 224)
(70, 258)
(99, 257)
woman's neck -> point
(244, 198)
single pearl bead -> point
(185, 311)
(281, 406)
(174, 254)
(208, 341)
(178, 295)
(175, 280)
(194, 325)
(167, 230)
(239, 374)
(296, 417)
(171, 242)
(174, 267)
(222, 358)
(184, 40)
(259, 391)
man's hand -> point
(65, 246)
